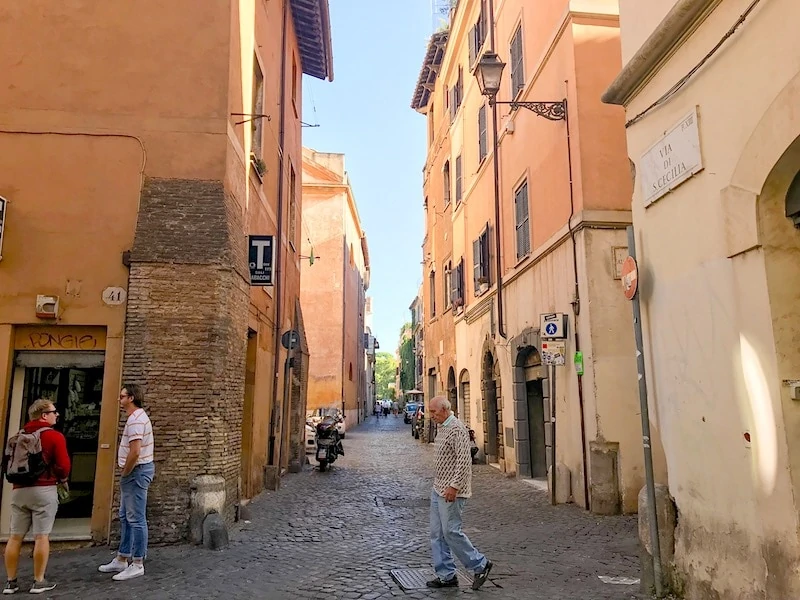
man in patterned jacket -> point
(451, 488)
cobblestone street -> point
(338, 534)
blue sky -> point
(378, 48)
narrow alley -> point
(339, 534)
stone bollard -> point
(563, 484)
(667, 519)
(215, 534)
(207, 495)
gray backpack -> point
(23, 460)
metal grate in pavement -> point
(415, 579)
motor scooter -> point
(329, 443)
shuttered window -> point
(480, 261)
(458, 181)
(517, 63)
(522, 220)
(482, 142)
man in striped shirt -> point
(135, 459)
(451, 488)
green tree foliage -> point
(407, 365)
(385, 370)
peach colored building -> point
(131, 186)
(711, 91)
(563, 208)
(333, 289)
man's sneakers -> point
(115, 566)
(12, 587)
(40, 587)
(443, 583)
(481, 577)
(132, 571)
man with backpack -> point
(35, 461)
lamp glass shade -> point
(489, 71)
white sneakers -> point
(123, 570)
(115, 566)
(133, 570)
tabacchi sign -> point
(3, 203)
(672, 160)
(261, 253)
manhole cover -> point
(415, 579)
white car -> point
(311, 434)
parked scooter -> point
(329, 443)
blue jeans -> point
(448, 539)
(132, 511)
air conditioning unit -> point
(47, 307)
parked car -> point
(311, 443)
(317, 415)
(409, 411)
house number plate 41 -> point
(114, 296)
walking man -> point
(135, 459)
(451, 488)
(34, 503)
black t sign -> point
(261, 252)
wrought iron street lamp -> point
(489, 71)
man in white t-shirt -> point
(135, 459)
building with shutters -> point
(132, 185)
(556, 247)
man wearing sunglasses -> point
(34, 506)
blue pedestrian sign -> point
(553, 326)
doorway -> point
(73, 382)
(536, 417)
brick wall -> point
(185, 340)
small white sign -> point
(553, 325)
(114, 296)
(554, 353)
(671, 160)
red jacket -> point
(54, 453)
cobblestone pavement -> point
(338, 534)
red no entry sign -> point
(630, 277)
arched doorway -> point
(492, 409)
(531, 412)
(452, 391)
(464, 395)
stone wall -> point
(185, 341)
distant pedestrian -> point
(395, 408)
(386, 407)
(451, 488)
(135, 459)
(36, 461)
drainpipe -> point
(576, 309)
(495, 164)
(279, 237)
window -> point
(457, 287)
(292, 207)
(295, 84)
(482, 142)
(456, 94)
(480, 262)
(432, 279)
(448, 296)
(431, 124)
(477, 36)
(522, 220)
(350, 371)
(458, 180)
(446, 176)
(517, 63)
(257, 108)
